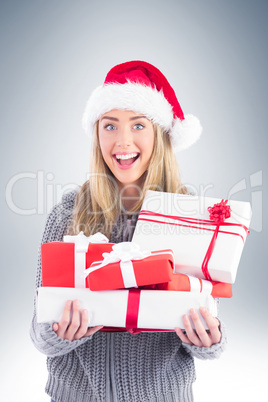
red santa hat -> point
(142, 88)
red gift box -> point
(127, 266)
(188, 283)
(63, 263)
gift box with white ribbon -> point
(206, 235)
(189, 283)
(64, 263)
(128, 266)
(129, 309)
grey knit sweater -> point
(117, 366)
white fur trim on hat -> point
(185, 132)
(130, 96)
(145, 100)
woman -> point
(137, 124)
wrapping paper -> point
(188, 283)
(63, 263)
(182, 223)
(145, 309)
(130, 270)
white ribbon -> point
(195, 285)
(81, 246)
(83, 241)
(125, 253)
(207, 287)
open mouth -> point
(126, 159)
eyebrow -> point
(115, 119)
(138, 117)
(109, 118)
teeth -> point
(128, 156)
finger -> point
(200, 329)
(182, 336)
(75, 322)
(190, 332)
(213, 325)
(55, 327)
(83, 325)
(93, 330)
(65, 319)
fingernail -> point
(193, 311)
(203, 309)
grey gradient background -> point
(53, 54)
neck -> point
(130, 193)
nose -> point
(124, 138)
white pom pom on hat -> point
(142, 88)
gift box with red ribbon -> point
(64, 263)
(130, 309)
(127, 266)
(206, 235)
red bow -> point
(219, 212)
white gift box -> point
(182, 223)
(156, 309)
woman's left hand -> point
(200, 337)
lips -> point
(123, 161)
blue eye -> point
(110, 127)
(138, 126)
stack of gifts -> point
(184, 253)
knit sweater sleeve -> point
(214, 351)
(42, 335)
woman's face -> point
(126, 141)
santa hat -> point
(142, 88)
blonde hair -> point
(98, 202)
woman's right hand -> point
(77, 327)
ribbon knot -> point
(125, 253)
(219, 212)
(82, 241)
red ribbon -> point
(208, 255)
(132, 315)
(133, 304)
(218, 213)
